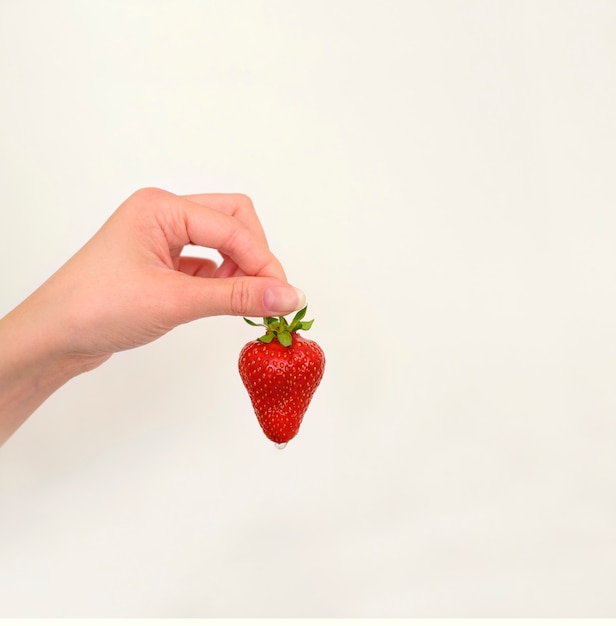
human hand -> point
(129, 284)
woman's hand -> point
(130, 285)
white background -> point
(439, 178)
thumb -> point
(251, 296)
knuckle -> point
(144, 199)
(243, 199)
(148, 194)
(236, 240)
(240, 298)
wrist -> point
(34, 363)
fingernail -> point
(282, 300)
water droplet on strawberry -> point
(281, 446)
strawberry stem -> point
(281, 329)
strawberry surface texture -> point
(281, 371)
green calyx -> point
(278, 327)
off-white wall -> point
(439, 178)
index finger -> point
(236, 205)
(229, 226)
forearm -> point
(33, 365)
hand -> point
(130, 284)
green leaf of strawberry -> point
(285, 338)
(281, 371)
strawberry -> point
(281, 371)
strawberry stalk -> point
(280, 329)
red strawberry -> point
(281, 371)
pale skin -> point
(129, 285)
